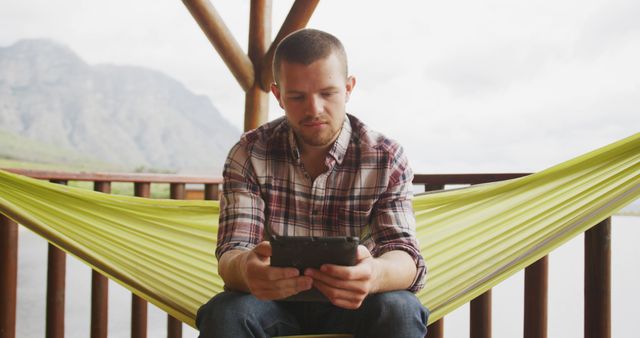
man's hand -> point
(266, 282)
(347, 286)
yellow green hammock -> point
(471, 238)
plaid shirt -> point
(365, 192)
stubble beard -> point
(319, 139)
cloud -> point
(612, 23)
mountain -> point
(125, 115)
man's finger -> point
(340, 297)
(357, 272)
(281, 288)
(263, 249)
(276, 273)
(362, 253)
(329, 279)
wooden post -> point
(211, 191)
(219, 35)
(256, 108)
(597, 281)
(535, 299)
(139, 305)
(481, 316)
(436, 329)
(8, 276)
(100, 287)
(174, 326)
(433, 187)
(298, 17)
(56, 273)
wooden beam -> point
(256, 108)
(298, 17)
(214, 28)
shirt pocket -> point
(354, 222)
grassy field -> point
(22, 153)
(18, 148)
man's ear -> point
(276, 92)
(351, 83)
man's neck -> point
(314, 159)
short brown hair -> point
(306, 46)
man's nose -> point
(314, 105)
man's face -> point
(314, 99)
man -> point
(317, 171)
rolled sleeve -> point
(241, 206)
(394, 223)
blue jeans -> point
(389, 314)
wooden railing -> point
(597, 311)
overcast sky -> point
(465, 86)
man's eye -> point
(295, 98)
(328, 94)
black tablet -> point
(312, 252)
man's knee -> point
(397, 306)
(235, 314)
(225, 307)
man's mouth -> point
(313, 123)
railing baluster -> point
(139, 305)
(535, 299)
(56, 273)
(211, 191)
(481, 316)
(174, 326)
(436, 329)
(433, 187)
(597, 281)
(8, 276)
(100, 287)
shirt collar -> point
(341, 144)
(337, 151)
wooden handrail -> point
(446, 179)
(115, 177)
(429, 179)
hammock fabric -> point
(471, 238)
